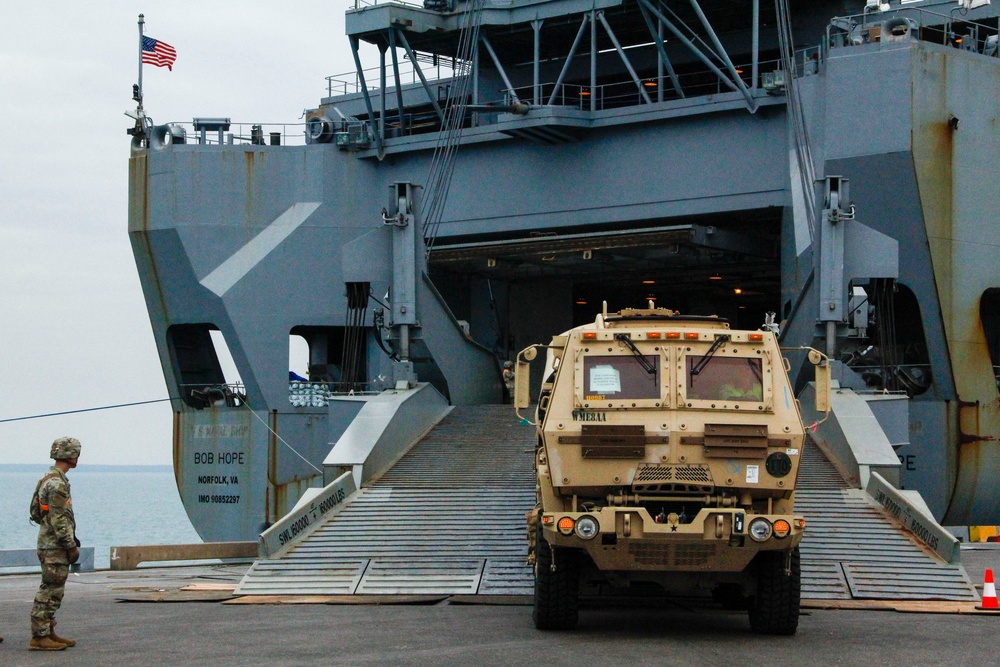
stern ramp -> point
(449, 519)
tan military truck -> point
(668, 449)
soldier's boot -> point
(62, 640)
(57, 638)
(45, 644)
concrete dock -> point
(145, 618)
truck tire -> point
(774, 610)
(556, 593)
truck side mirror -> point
(823, 377)
(522, 378)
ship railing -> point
(434, 68)
(606, 96)
(442, 71)
(610, 95)
(300, 393)
(920, 23)
(437, 5)
(200, 396)
(259, 134)
(361, 4)
(907, 378)
(625, 93)
(308, 394)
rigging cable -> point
(280, 439)
(160, 400)
(103, 407)
(796, 119)
(442, 166)
(886, 327)
(378, 324)
(352, 348)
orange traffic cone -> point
(989, 593)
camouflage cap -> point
(65, 448)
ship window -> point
(620, 377)
(308, 368)
(989, 313)
(314, 352)
(886, 343)
(725, 379)
(325, 361)
(298, 358)
(230, 373)
(204, 368)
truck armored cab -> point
(667, 454)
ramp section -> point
(852, 549)
(448, 518)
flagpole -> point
(141, 22)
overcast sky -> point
(74, 332)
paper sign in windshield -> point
(605, 380)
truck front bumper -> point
(628, 538)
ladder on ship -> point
(449, 519)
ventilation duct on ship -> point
(319, 130)
(162, 136)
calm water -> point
(114, 505)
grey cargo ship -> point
(501, 168)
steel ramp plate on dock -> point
(930, 581)
(448, 519)
(853, 550)
(318, 576)
(422, 576)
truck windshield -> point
(620, 377)
(725, 379)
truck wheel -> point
(556, 593)
(774, 610)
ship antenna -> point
(137, 92)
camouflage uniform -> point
(56, 537)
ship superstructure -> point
(506, 167)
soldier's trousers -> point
(55, 570)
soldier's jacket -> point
(58, 529)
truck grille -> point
(694, 555)
(660, 478)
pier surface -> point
(145, 618)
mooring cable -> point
(160, 400)
(280, 439)
(103, 407)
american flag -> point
(157, 52)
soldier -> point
(57, 545)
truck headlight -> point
(760, 529)
(586, 527)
